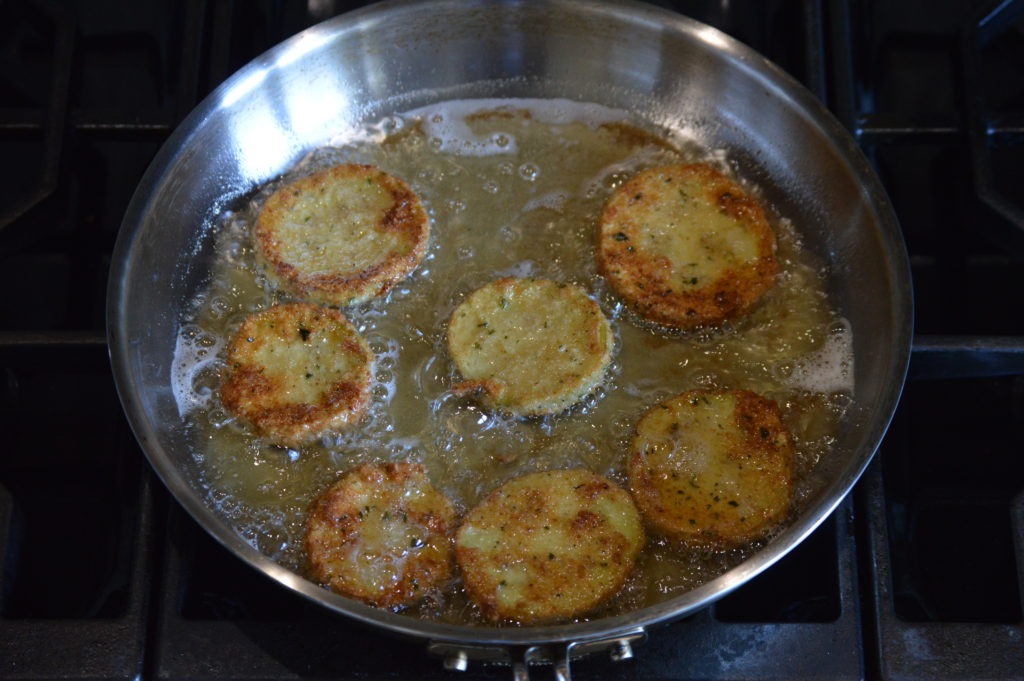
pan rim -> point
(771, 76)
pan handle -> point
(560, 655)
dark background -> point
(917, 576)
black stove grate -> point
(102, 576)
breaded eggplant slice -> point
(548, 546)
(530, 346)
(381, 534)
(712, 469)
(297, 371)
(343, 235)
(686, 247)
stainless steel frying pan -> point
(398, 56)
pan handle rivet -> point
(622, 650)
(457, 661)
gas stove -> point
(918, 575)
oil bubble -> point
(783, 369)
(455, 205)
(529, 171)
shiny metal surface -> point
(398, 56)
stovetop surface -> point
(917, 576)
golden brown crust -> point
(315, 236)
(712, 469)
(296, 371)
(529, 346)
(548, 546)
(686, 247)
(381, 534)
